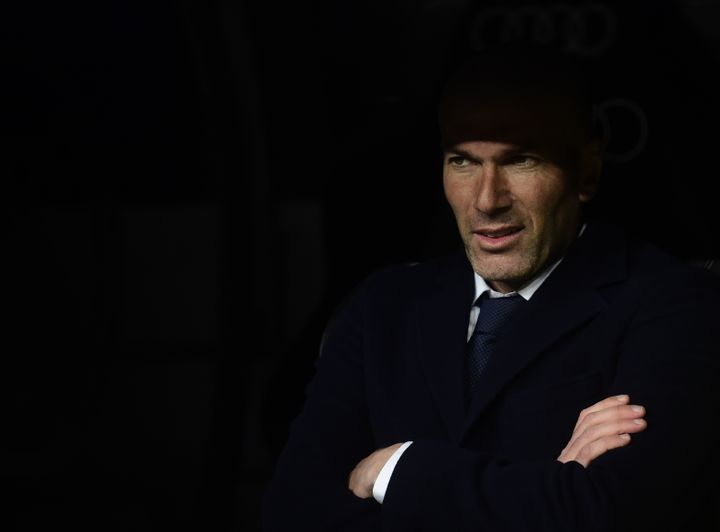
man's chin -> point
(500, 273)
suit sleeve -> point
(330, 436)
(664, 480)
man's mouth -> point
(497, 238)
(498, 232)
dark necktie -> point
(494, 313)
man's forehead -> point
(522, 121)
(484, 148)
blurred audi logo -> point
(583, 29)
(625, 126)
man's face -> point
(516, 196)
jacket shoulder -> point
(401, 283)
(658, 266)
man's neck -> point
(529, 288)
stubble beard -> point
(513, 268)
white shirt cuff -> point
(383, 479)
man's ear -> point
(591, 169)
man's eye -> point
(458, 162)
(523, 160)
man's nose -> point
(491, 191)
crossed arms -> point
(601, 427)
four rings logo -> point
(583, 29)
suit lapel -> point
(569, 298)
(442, 321)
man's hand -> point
(362, 478)
(603, 426)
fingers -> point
(601, 427)
(608, 414)
(594, 434)
(594, 449)
(615, 400)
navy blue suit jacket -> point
(616, 316)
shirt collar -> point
(527, 291)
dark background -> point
(189, 189)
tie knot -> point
(495, 312)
